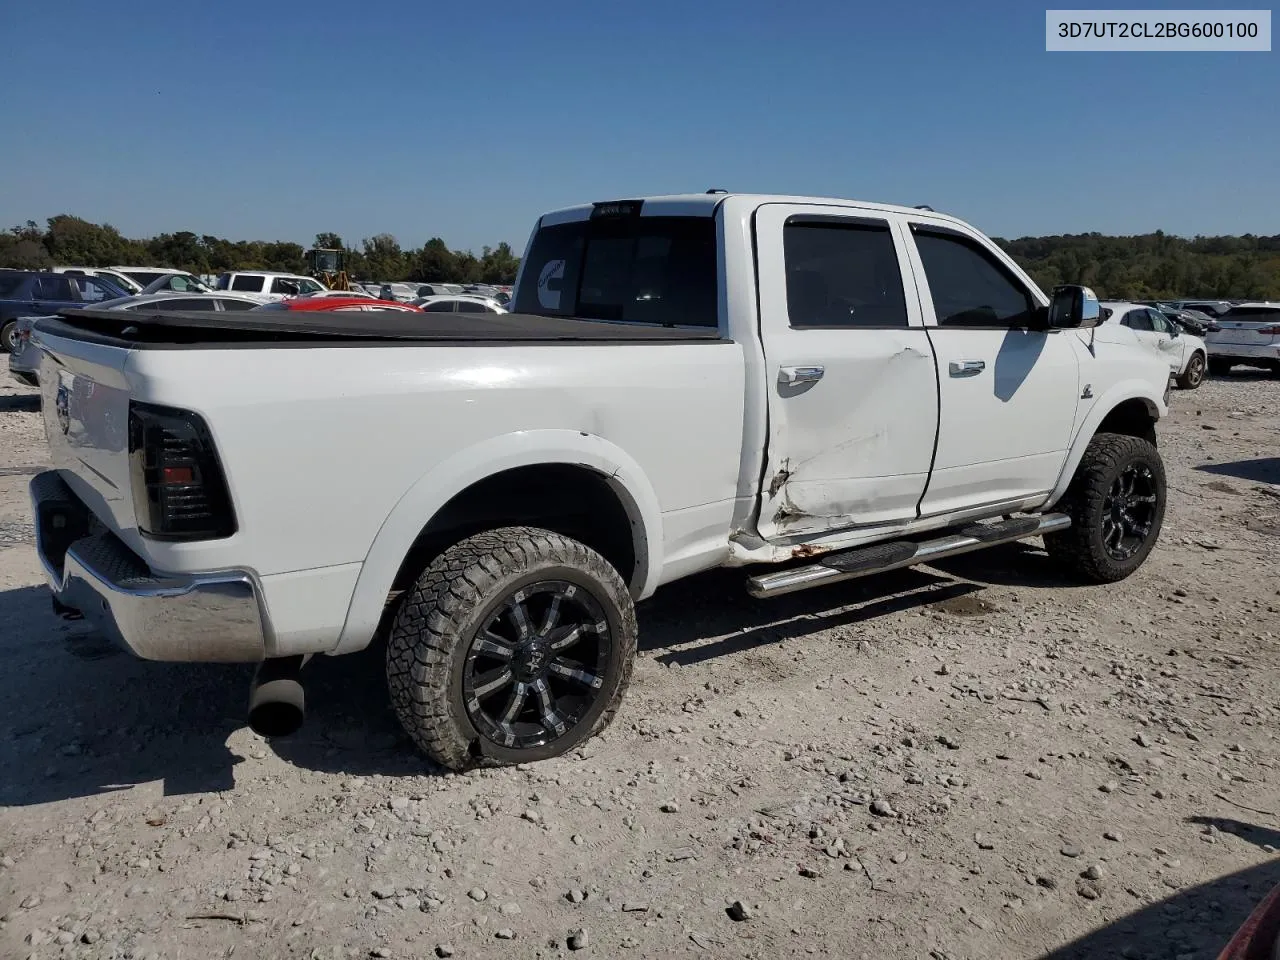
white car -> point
(819, 389)
(324, 294)
(161, 279)
(270, 284)
(1185, 353)
(460, 303)
(127, 284)
(1248, 335)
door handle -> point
(966, 368)
(793, 376)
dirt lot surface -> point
(972, 761)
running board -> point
(881, 557)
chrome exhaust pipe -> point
(277, 703)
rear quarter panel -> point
(321, 444)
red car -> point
(1259, 937)
(337, 303)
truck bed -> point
(205, 329)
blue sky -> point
(274, 121)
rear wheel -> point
(514, 645)
(1220, 366)
(8, 336)
(1116, 502)
(1193, 376)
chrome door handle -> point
(966, 368)
(792, 376)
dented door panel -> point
(853, 406)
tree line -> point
(1147, 267)
(72, 241)
(1154, 266)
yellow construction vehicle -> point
(329, 267)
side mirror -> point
(1074, 308)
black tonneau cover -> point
(207, 328)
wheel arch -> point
(498, 482)
(1130, 408)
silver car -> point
(24, 361)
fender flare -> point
(495, 455)
(1118, 394)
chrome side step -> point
(896, 554)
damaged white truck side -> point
(817, 389)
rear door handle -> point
(792, 376)
(966, 368)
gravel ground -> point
(976, 760)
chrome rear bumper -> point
(206, 617)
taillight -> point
(179, 491)
(1270, 331)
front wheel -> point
(1116, 502)
(1193, 376)
(514, 645)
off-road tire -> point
(1080, 547)
(1219, 366)
(432, 631)
(6, 332)
(1193, 376)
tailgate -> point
(85, 400)
(1244, 333)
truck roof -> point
(704, 205)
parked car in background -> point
(177, 282)
(331, 304)
(171, 302)
(127, 284)
(1192, 321)
(326, 294)
(1184, 352)
(23, 361)
(401, 292)
(461, 303)
(43, 293)
(438, 289)
(270, 284)
(1248, 335)
(145, 276)
(1214, 308)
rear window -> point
(1252, 315)
(659, 270)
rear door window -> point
(659, 270)
(440, 306)
(55, 286)
(237, 304)
(248, 282)
(470, 306)
(842, 274)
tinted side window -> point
(970, 288)
(1251, 315)
(55, 286)
(185, 303)
(1138, 320)
(237, 305)
(632, 268)
(440, 306)
(842, 275)
(245, 281)
(470, 306)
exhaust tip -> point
(276, 708)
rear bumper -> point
(208, 617)
(1245, 351)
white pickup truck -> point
(815, 389)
